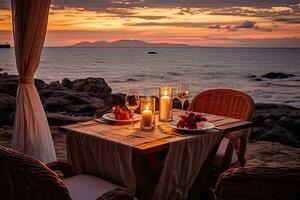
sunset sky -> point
(259, 23)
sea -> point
(202, 68)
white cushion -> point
(86, 187)
(218, 160)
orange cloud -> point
(193, 26)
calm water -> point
(203, 68)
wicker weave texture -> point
(225, 102)
(259, 183)
(23, 177)
(117, 194)
(229, 103)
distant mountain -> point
(126, 43)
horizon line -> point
(190, 46)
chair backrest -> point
(259, 183)
(229, 103)
(23, 177)
(225, 102)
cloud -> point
(295, 22)
(215, 26)
(288, 20)
(262, 42)
(244, 25)
(96, 4)
(172, 24)
(282, 19)
(104, 4)
(253, 8)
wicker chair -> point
(229, 103)
(247, 183)
(23, 177)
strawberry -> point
(121, 114)
(190, 120)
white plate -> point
(111, 117)
(207, 126)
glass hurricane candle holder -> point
(165, 104)
(147, 107)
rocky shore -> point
(69, 101)
(274, 140)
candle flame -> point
(165, 92)
(147, 107)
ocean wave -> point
(174, 73)
(212, 66)
(284, 85)
(131, 80)
(153, 76)
(116, 81)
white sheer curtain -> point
(31, 132)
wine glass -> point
(182, 93)
(132, 103)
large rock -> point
(57, 119)
(67, 83)
(280, 135)
(96, 86)
(7, 107)
(9, 84)
(276, 123)
(116, 99)
(291, 123)
(277, 75)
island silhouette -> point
(126, 43)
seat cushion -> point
(86, 187)
(218, 160)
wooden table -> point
(91, 127)
(151, 154)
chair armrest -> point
(259, 183)
(65, 168)
(117, 194)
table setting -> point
(126, 145)
(146, 107)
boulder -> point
(81, 110)
(291, 123)
(54, 104)
(276, 123)
(56, 119)
(95, 86)
(76, 98)
(39, 84)
(280, 135)
(115, 99)
(7, 107)
(277, 75)
(258, 79)
(67, 83)
(54, 83)
(9, 84)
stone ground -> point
(259, 153)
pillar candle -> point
(147, 117)
(164, 103)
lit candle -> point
(147, 117)
(164, 103)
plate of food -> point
(120, 115)
(191, 122)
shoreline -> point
(274, 140)
(69, 102)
